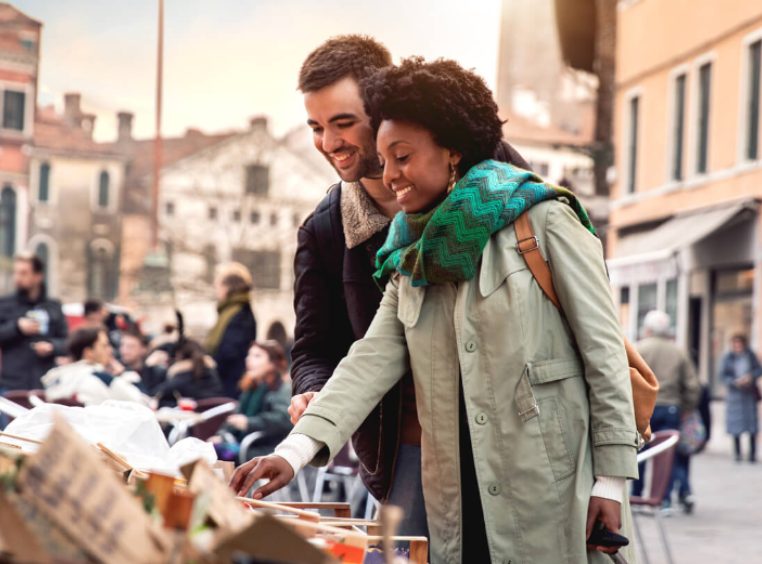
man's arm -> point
(316, 352)
(58, 331)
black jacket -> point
(181, 382)
(335, 299)
(21, 367)
(234, 346)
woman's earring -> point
(451, 184)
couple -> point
(527, 431)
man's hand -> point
(298, 404)
(272, 467)
(239, 421)
(158, 358)
(608, 512)
(28, 326)
(43, 348)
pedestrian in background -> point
(740, 370)
(679, 392)
(228, 341)
(32, 327)
(263, 407)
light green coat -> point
(548, 399)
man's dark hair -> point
(81, 339)
(38, 267)
(452, 103)
(136, 334)
(356, 56)
(92, 306)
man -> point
(133, 351)
(86, 380)
(679, 391)
(32, 327)
(95, 313)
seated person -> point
(150, 369)
(263, 405)
(86, 379)
(192, 375)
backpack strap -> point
(528, 246)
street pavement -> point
(726, 525)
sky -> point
(226, 61)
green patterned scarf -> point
(446, 243)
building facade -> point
(685, 225)
(19, 63)
(241, 199)
(74, 205)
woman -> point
(192, 375)
(263, 405)
(522, 410)
(740, 372)
(235, 329)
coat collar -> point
(495, 265)
(360, 217)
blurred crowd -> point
(105, 355)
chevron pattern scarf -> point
(446, 243)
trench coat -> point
(547, 395)
(740, 403)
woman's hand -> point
(238, 421)
(608, 512)
(273, 467)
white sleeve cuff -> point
(609, 487)
(298, 450)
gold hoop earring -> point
(451, 183)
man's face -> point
(131, 350)
(24, 276)
(341, 130)
(101, 351)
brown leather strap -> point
(528, 247)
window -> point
(43, 253)
(212, 213)
(263, 265)
(254, 217)
(103, 190)
(43, 191)
(297, 220)
(647, 296)
(169, 208)
(101, 280)
(273, 219)
(7, 222)
(670, 306)
(678, 128)
(210, 262)
(632, 147)
(705, 83)
(752, 120)
(257, 180)
(13, 110)
(28, 44)
(236, 216)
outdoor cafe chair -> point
(660, 456)
(204, 425)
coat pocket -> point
(543, 378)
(410, 303)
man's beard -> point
(368, 166)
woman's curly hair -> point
(452, 103)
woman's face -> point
(258, 362)
(416, 169)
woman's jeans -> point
(407, 491)
(667, 417)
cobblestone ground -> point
(726, 526)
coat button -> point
(470, 346)
(481, 419)
(494, 489)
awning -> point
(575, 23)
(643, 256)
